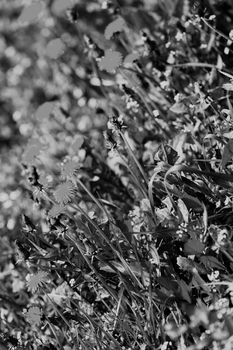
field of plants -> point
(116, 180)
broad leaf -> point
(193, 247)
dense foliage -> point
(116, 136)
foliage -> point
(116, 182)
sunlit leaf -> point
(178, 108)
(183, 209)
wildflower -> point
(111, 61)
(56, 210)
(69, 168)
(36, 281)
(184, 263)
(33, 315)
(114, 27)
(55, 48)
(64, 192)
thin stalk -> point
(95, 200)
(134, 158)
(92, 267)
(215, 30)
(94, 323)
(135, 178)
(54, 333)
(56, 309)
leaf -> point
(131, 58)
(167, 283)
(154, 255)
(163, 215)
(211, 262)
(178, 108)
(191, 202)
(114, 27)
(193, 247)
(184, 290)
(228, 86)
(227, 153)
(184, 210)
(132, 268)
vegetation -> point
(116, 174)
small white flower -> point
(155, 113)
(179, 36)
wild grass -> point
(131, 243)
